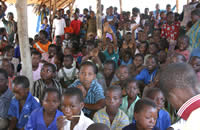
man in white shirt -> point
(59, 25)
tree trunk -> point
(99, 20)
(22, 26)
(177, 6)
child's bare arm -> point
(4, 6)
(100, 104)
(13, 123)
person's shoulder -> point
(122, 113)
(37, 111)
(163, 113)
(59, 113)
(131, 126)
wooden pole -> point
(188, 1)
(120, 4)
(177, 5)
(99, 20)
(22, 26)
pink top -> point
(186, 53)
(45, 56)
(198, 75)
(36, 73)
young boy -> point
(163, 121)
(36, 65)
(145, 114)
(129, 101)
(44, 118)
(98, 126)
(111, 115)
(92, 90)
(47, 81)
(22, 105)
(5, 99)
(195, 63)
(72, 104)
(50, 55)
(68, 73)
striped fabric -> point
(120, 121)
(194, 35)
(39, 86)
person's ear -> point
(82, 105)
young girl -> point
(45, 117)
(50, 55)
(145, 114)
(128, 102)
(126, 59)
(183, 44)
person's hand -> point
(135, 27)
(130, 44)
(95, 52)
(82, 90)
(60, 122)
(124, 45)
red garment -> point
(170, 31)
(76, 25)
(186, 53)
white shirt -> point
(83, 123)
(59, 25)
(68, 72)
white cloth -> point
(68, 73)
(83, 123)
(36, 73)
(59, 25)
(178, 125)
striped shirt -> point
(120, 121)
(94, 94)
(39, 86)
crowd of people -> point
(144, 74)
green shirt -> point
(129, 111)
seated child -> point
(163, 120)
(142, 48)
(98, 126)
(195, 63)
(92, 90)
(137, 65)
(183, 44)
(128, 102)
(145, 114)
(126, 58)
(162, 57)
(50, 55)
(47, 81)
(36, 65)
(72, 104)
(44, 118)
(178, 58)
(111, 115)
(147, 74)
(5, 98)
(67, 74)
(22, 104)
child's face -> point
(52, 52)
(159, 99)
(51, 102)
(67, 51)
(113, 100)
(182, 44)
(71, 106)
(108, 70)
(123, 73)
(35, 60)
(110, 48)
(152, 49)
(195, 62)
(20, 92)
(7, 66)
(138, 61)
(67, 62)
(132, 90)
(146, 119)
(162, 56)
(42, 37)
(142, 48)
(87, 75)
(126, 58)
(46, 73)
(3, 83)
(151, 64)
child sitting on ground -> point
(183, 44)
(145, 114)
(22, 104)
(128, 102)
(72, 104)
(50, 55)
(92, 90)
(98, 126)
(111, 115)
(47, 81)
(163, 121)
(45, 117)
(195, 63)
(126, 58)
(36, 65)
(67, 74)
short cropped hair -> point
(151, 91)
(89, 63)
(53, 67)
(22, 80)
(36, 53)
(114, 88)
(177, 75)
(142, 104)
(50, 90)
(111, 62)
(74, 92)
(69, 56)
(98, 126)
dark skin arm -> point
(13, 123)
(100, 104)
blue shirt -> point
(132, 126)
(36, 120)
(94, 94)
(22, 117)
(47, 29)
(163, 121)
(145, 76)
